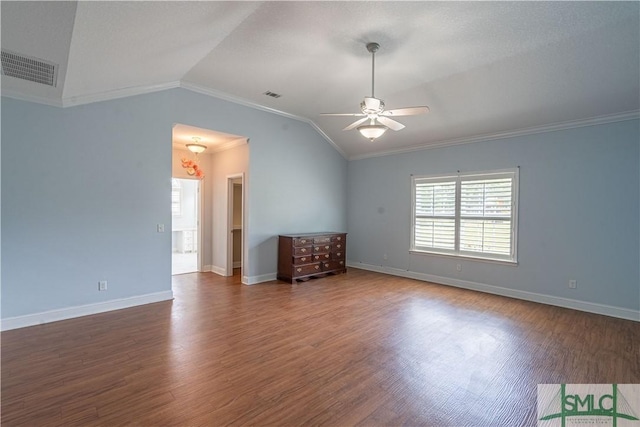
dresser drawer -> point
(338, 238)
(305, 250)
(322, 257)
(302, 241)
(338, 246)
(333, 265)
(338, 254)
(319, 249)
(303, 270)
(321, 239)
(302, 259)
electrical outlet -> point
(385, 257)
(458, 267)
(160, 228)
(573, 284)
(102, 285)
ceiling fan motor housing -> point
(372, 105)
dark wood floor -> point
(356, 349)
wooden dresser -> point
(301, 256)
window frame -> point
(458, 178)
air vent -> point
(272, 94)
(28, 68)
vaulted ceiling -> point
(485, 69)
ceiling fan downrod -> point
(373, 48)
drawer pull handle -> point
(341, 262)
(303, 250)
(303, 259)
(326, 247)
(298, 270)
(317, 267)
(339, 245)
(339, 238)
(339, 254)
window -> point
(472, 215)
(176, 197)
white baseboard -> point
(590, 307)
(218, 270)
(207, 268)
(82, 310)
(252, 280)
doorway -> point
(235, 224)
(185, 226)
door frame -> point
(229, 262)
(200, 229)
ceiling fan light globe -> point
(372, 131)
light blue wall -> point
(305, 191)
(296, 180)
(82, 191)
(579, 212)
(84, 187)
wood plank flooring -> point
(356, 349)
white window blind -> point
(435, 210)
(471, 215)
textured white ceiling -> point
(484, 68)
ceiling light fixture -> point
(192, 166)
(372, 131)
(196, 147)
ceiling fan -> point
(373, 109)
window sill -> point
(467, 257)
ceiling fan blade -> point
(407, 111)
(342, 114)
(356, 123)
(391, 124)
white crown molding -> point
(73, 101)
(31, 98)
(325, 136)
(593, 121)
(236, 100)
(589, 307)
(140, 90)
(82, 310)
